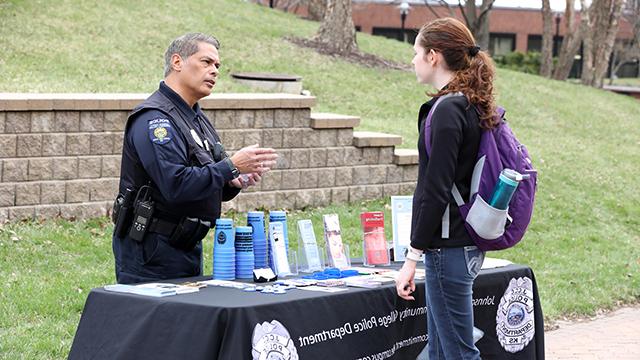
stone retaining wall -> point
(60, 153)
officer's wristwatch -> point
(234, 170)
(413, 254)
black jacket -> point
(455, 138)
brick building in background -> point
(511, 29)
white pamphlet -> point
(401, 207)
(308, 237)
(279, 249)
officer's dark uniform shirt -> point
(168, 146)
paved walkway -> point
(614, 336)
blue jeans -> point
(449, 283)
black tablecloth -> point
(225, 323)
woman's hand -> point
(404, 281)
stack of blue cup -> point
(281, 216)
(261, 249)
(224, 251)
(244, 252)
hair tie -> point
(473, 51)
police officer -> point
(175, 172)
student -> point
(447, 58)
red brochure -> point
(375, 244)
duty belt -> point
(162, 227)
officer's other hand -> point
(254, 159)
(255, 177)
(237, 182)
(245, 180)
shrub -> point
(528, 62)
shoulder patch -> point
(160, 131)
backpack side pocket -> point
(488, 222)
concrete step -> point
(375, 139)
(333, 121)
(405, 156)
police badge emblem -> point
(515, 324)
(159, 131)
(271, 341)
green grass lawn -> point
(584, 241)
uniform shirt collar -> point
(182, 106)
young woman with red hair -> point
(447, 57)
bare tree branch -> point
(446, 4)
(441, 3)
(464, 15)
(485, 10)
(426, 3)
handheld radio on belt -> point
(142, 214)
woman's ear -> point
(433, 57)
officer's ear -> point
(176, 62)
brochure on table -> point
(401, 207)
(374, 244)
(310, 255)
(333, 238)
(279, 249)
(153, 289)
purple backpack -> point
(491, 228)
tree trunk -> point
(570, 43)
(478, 23)
(587, 40)
(604, 18)
(337, 32)
(482, 25)
(605, 48)
(316, 9)
(629, 52)
(546, 64)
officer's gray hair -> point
(185, 46)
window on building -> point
(534, 43)
(501, 44)
(396, 33)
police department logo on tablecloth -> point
(515, 324)
(271, 341)
(159, 131)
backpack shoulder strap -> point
(427, 123)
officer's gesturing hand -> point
(254, 159)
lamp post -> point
(404, 11)
(557, 36)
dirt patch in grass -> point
(357, 57)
